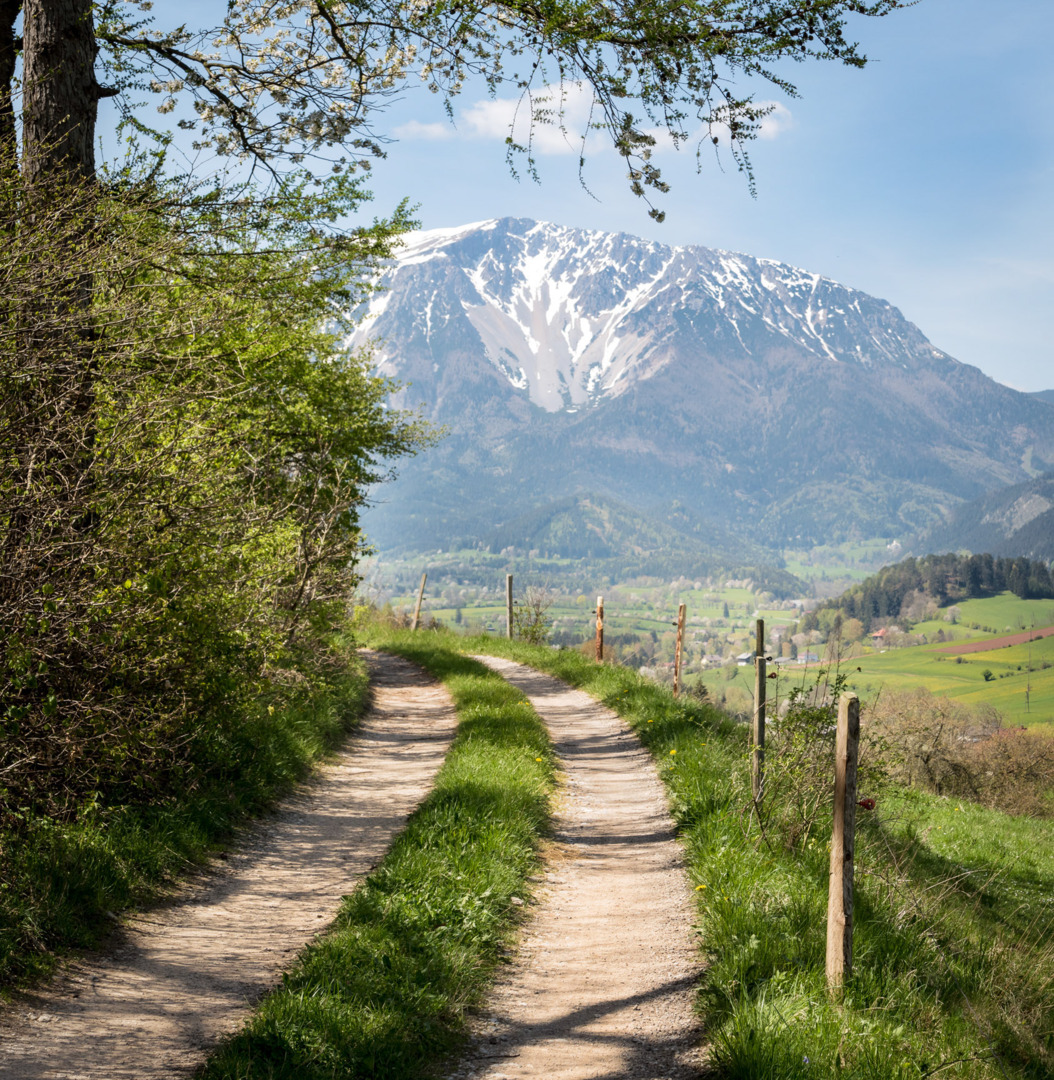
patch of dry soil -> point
(179, 978)
(604, 981)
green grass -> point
(384, 992)
(1007, 613)
(62, 883)
(954, 935)
(942, 674)
(963, 679)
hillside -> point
(762, 401)
(1013, 521)
(936, 579)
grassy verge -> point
(62, 883)
(954, 950)
(384, 993)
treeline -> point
(945, 579)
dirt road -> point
(183, 976)
(603, 983)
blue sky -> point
(927, 178)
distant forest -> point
(945, 578)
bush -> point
(951, 749)
(531, 621)
(799, 756)
(184, 456)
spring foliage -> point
(184, 459)
(945, 579)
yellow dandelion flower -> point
(672, 752)
(698, 887)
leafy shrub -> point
(183, 459)
(799, 762)
(531, 621)
(951, 749)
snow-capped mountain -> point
(571, 317)
(739, 396)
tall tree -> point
(9, 49)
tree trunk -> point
(60, 92)
(52, 413)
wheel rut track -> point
(181, 977)
(604, 981)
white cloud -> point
(414, 129)
(568, 108)
(778, 121)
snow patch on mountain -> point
(571, 316)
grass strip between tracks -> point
(954, 930)
(384, 992)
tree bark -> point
(60, 97)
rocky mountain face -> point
(1013, 521)
(729, 397)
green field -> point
(1006, 613)
(1022, 695)
(639, 630)
(962, 678)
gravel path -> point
(181, 977)
(604, 980)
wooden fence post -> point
(757, 759)
(508, 605)
(679, 650)
(417, 606)
(600, 629)
(840, 894)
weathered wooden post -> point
(840, 894)
(508, 606)
(757, 759)
(417, 606)
(678, 651)
(600, 629)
